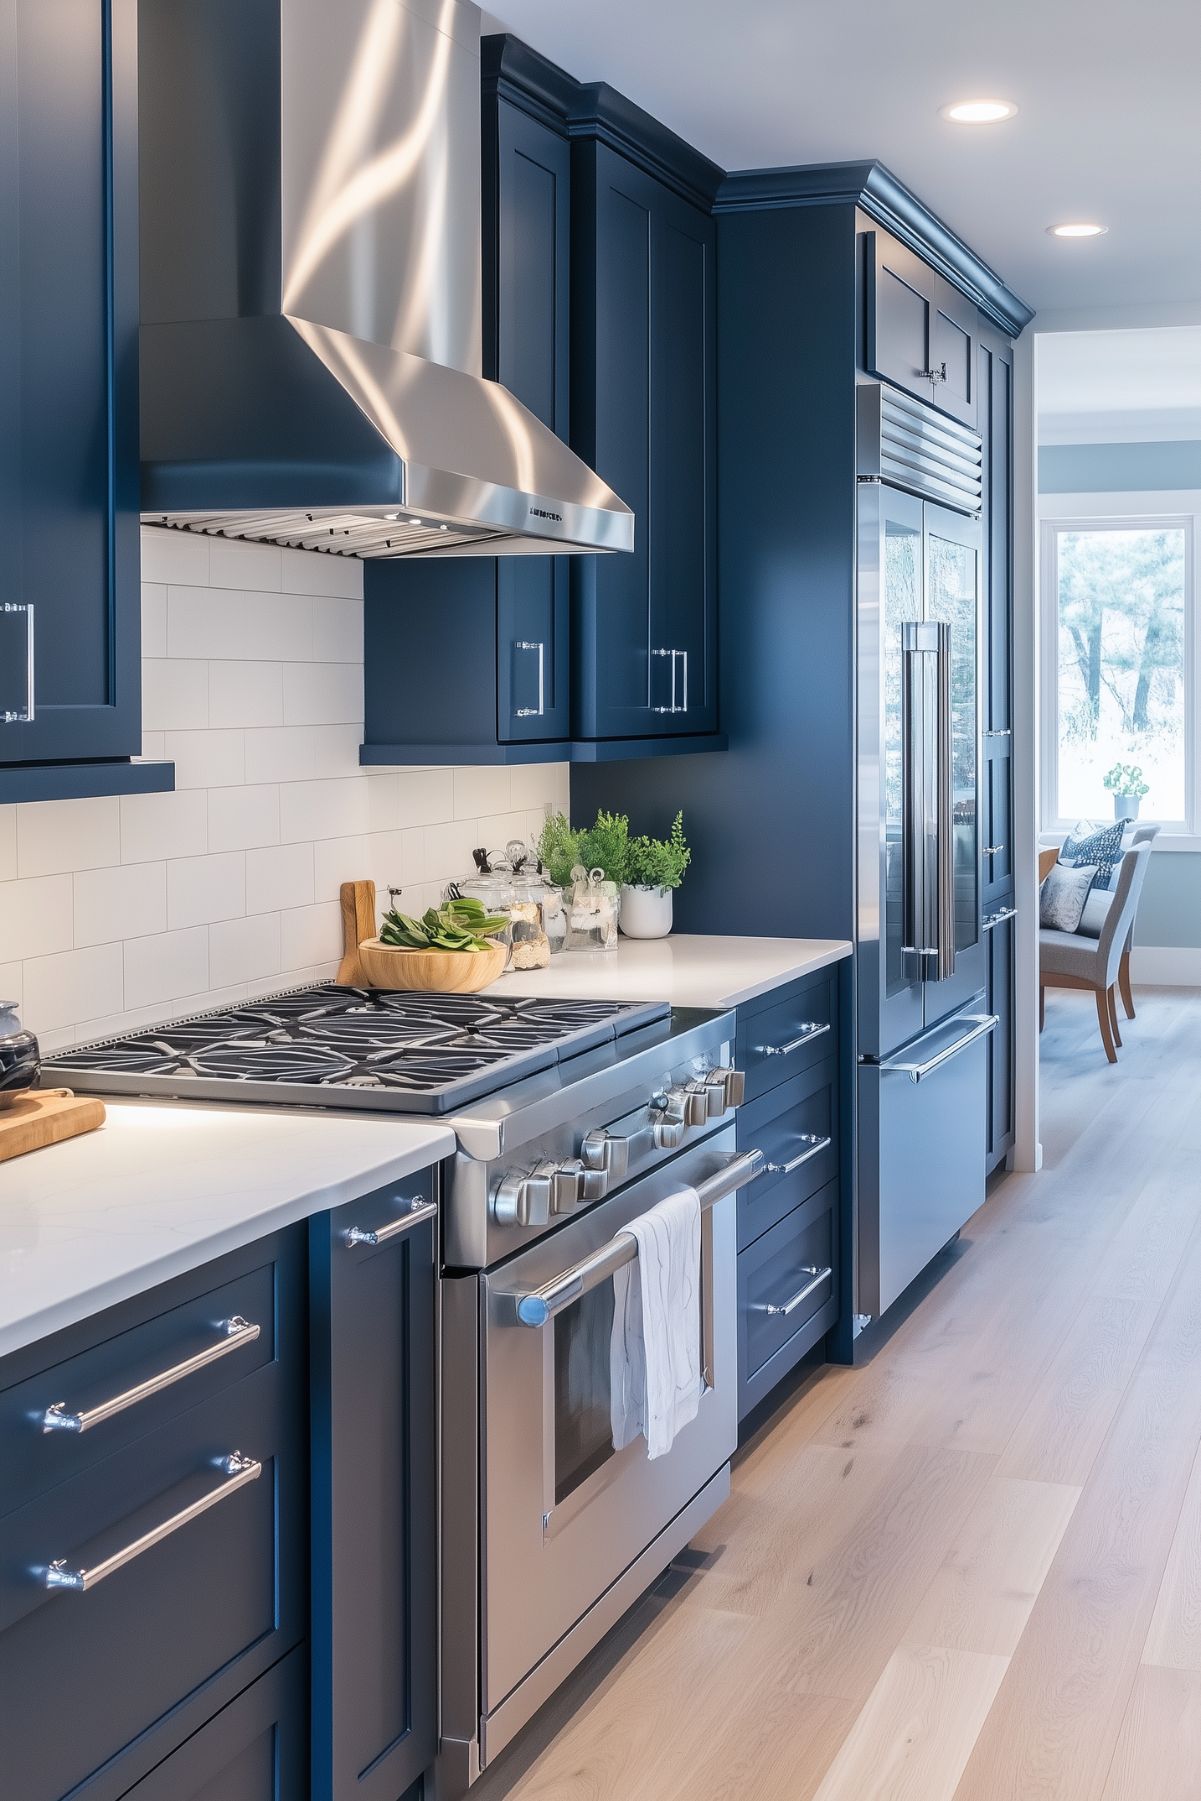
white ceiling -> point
(1119, 386)
(1108, 95)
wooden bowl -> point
(431, 972)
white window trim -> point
(1137, 510)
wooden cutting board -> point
(358, 923)
(46, 1116)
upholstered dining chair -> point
(1143, 834)
(1073, 960)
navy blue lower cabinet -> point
(154, 1560)
(373, 1273)
(256, 1749)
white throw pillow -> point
(1063, 894)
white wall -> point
(116, 912)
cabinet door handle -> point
(414, 1212)
(678, 658)
(811, 1029)
(235, 1333)
(817, 1277)
(11, 716)
(815, 1146)
(999, 917)
(1006, 732)
(934, 375)
(538, 711)
(239, 1470)
(993, 850)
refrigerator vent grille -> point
(926, 453)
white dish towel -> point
(655, 1350)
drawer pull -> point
(239, 1471)
(814, 1147)
(235, 1333)
(414, 1212)
(816, 1278)
(811, 1029)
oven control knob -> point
(727, 1088)
(609, 1157)
(522, 1200)
(668, 1132)
(566, 1185)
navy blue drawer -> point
(232, 1323)
(255, 1750)
(785, 1302)
(100, 1684)
(796, 1128)
(783, 1033)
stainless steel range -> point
(571, 1119)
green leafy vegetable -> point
(458, 925)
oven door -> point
(564, 1514)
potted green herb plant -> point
(1125, 782)
(590, 866)
(654, 870)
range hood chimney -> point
(311, 291)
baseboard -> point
(1166, 966)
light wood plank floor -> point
(971, 1570)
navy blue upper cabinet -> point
(644, 416)
(919, 331)
(527, 263)
(69, 579)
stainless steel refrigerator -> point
(921, 959)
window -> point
(1119, 613)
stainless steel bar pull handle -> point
(534, 645)
(239, 1470)
(914, 938)
(812, 1028)
(981, 1024)
(541, 1304)
(413, 1212)
(816, 1278)
(993, 850)
(235, 1333)
(13, 716)
(814, 1146)
(945, 863)
(999, 917)
(677, 657)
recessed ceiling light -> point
(979, 112)
(1080, 229)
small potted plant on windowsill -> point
(1125, 782)
(654, 870)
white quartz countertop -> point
(160, 1189)
(688, 970)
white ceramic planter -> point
(645, 912)
(1125, 806)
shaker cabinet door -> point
(69, 588)
(1000, 1043)
(919, 330)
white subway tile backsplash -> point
(174, 556)
(323, 693)
(129, 901)
(165, 967)
(175, 693)
(310, 934)
(54, 837)
(207, 759)
(246, 950)
(480, 791)
(233, 564)
(154, 619)
(72, 987)
(279, 876)
(35, 916)
(154, 826)
(203, 889)
(315, 572)
(117, 914)
(240, 818)
(246, 694)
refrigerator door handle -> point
(914, 941)
(945, 889)
(981, 1024)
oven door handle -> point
(542, 1304)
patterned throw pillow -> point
(1099, 845)
(1063, 894)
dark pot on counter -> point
(20, 1059)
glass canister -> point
(593, 911)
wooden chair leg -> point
(1104, 1022)
(1124, 984)
(1113, 1016)
(1042, 1006)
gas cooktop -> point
(411, 1053)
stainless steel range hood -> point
(311, 291)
